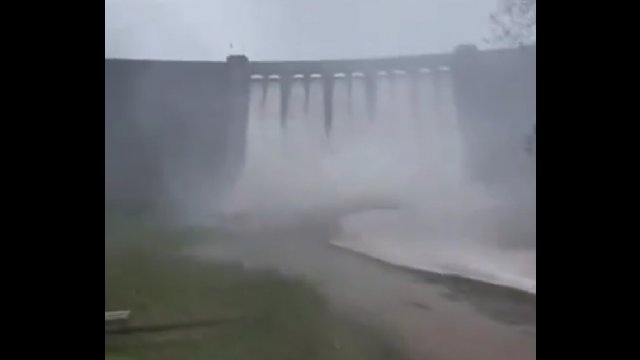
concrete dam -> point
(430, 149)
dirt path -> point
(433, 317)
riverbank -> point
(433, 317)
(263, 314)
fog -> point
(403, 184)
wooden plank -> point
(122, 315)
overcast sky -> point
(290, 29)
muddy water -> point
(433, 317)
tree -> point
(514, 24)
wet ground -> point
(434, 317)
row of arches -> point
(285, 83)
(355, 74)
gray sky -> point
(290, 29)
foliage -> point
(514, 24)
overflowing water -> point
(399, 175)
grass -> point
(272, 317)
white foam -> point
(401, 238)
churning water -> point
(403, 168)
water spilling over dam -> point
(295, 161)
(393, 160)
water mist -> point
(398, 175)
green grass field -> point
(266, 316)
